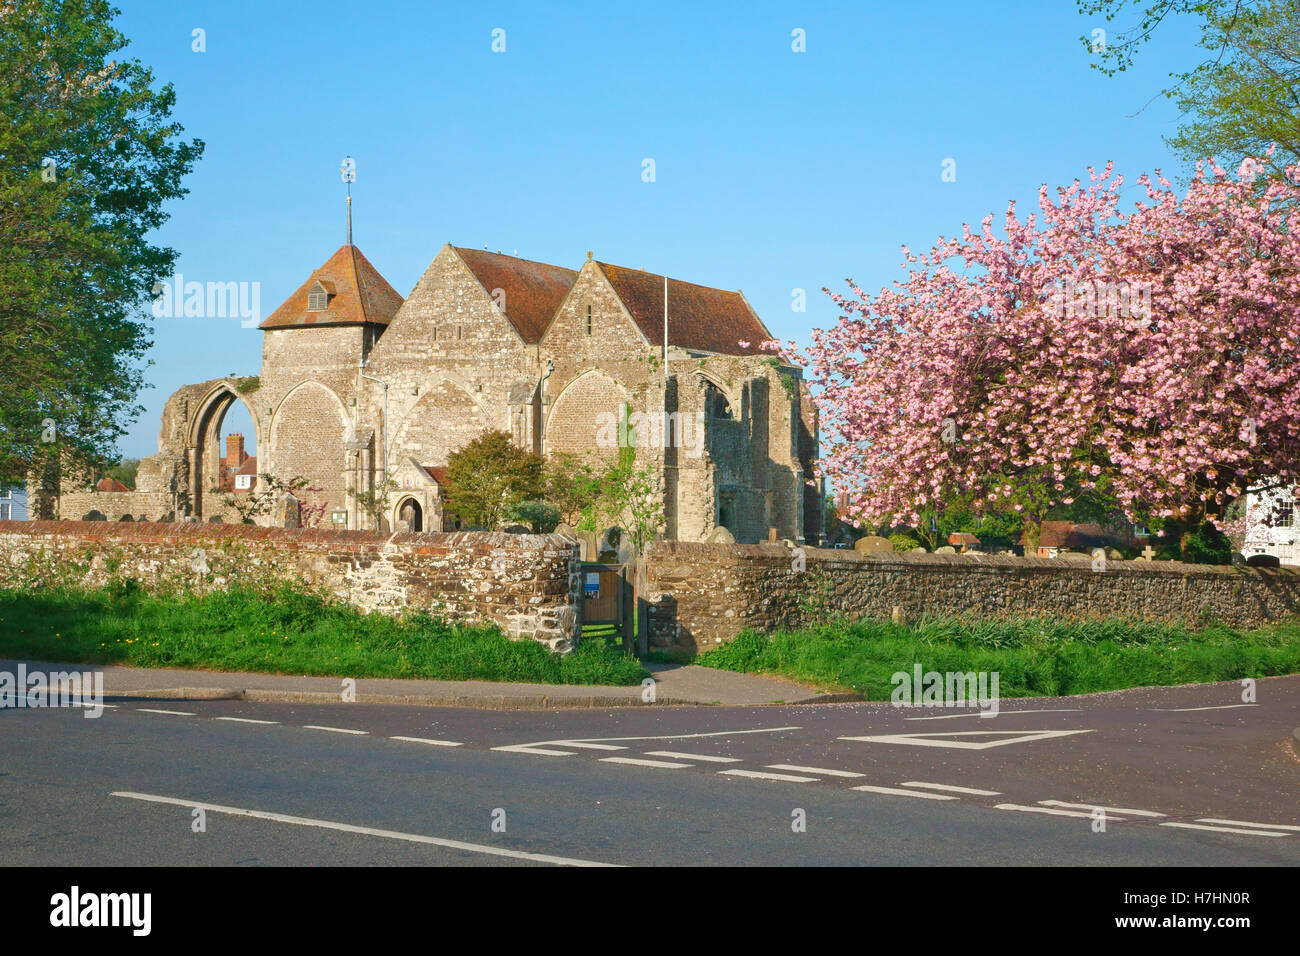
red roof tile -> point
(111, 484)
(533, 290)
(699, 317)
(359, 295)
(249, 467)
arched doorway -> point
(410, 516)
(208, 459)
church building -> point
(361, 389)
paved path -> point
(674, 684)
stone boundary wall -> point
(529, 585)
(702, 594)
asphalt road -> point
(1184, 776)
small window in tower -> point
(460, 332)
(588, 320)
(435, 333)
(317, 301)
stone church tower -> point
(360, 389)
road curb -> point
(494, 702)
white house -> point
(13, 504)
(1271, 525)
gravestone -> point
(289, 512)
(946, 549)
(721, 535)
(872, 544)
(516, 529)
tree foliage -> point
(89, 156)
(1243, 97)
(1148, 358)
(489, 476)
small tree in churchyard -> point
(256, 504)
(489, 476)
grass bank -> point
(287, 631)
(1033, 656)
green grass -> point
(1033, 656)
(285, 632)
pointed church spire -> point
(348, 170)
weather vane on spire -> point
(348, 171)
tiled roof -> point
(359, 294)
(249, 467)
(437, 472)
(111, 484)
(533, 290)
(699, 317)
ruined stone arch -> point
(584, 416)
(203, 443)
(309, 432)
(446, 418)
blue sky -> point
(774, 170)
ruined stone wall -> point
(702, 595)
(529, 585)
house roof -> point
(111, 484)
(1067, 534)
(249, 467)
(437, 472)
(358, 295)
(533, 290)
(699, 317)
(962, 537)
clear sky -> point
(774, 169)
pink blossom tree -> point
(1148, 355)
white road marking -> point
(1197, 826)
(924, 740)
(636, 762)
(1096, 806)
(367, 831)
(539, 751)
(247, 720)
(1002, 713)
(947, 786)
(714, 733)
(759, 775)
(707, 758)
(426, 740)
(175, 713)
(1247, 823)
(821, 770)
(335, 730)
(1055, 813)
(584, 745)
(895, 792)
(1186, 710)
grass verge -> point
(288, 631)
(1033, 656)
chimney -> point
(235, 450)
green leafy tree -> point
(1243, 96)
(125, 471)
(489, 476)
(89, 156)
(541, 517)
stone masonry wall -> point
(702, 595)
(529, 585)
